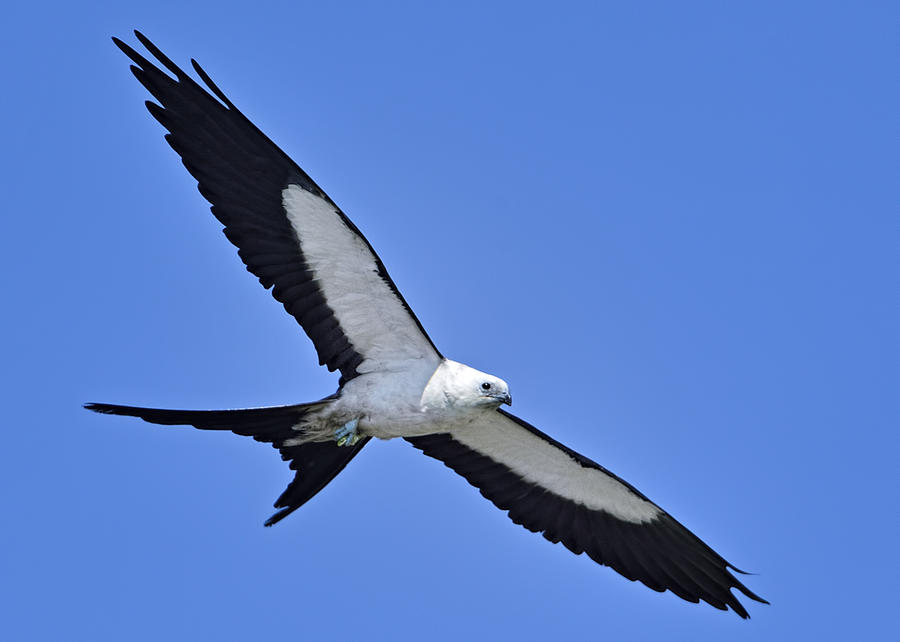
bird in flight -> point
(393, 380)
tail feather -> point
(264, 424)
(316, 463)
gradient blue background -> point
(670, 226)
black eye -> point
(485, 386)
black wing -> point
(551, 489)
(288, 232)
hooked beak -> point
(500, 398)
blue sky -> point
(670, 227)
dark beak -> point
(507, 399)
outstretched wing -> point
(316, 463)
(551, 489)
(288, 232)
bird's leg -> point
(346, 435)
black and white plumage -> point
(394, 382)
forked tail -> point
(316, 463)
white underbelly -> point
(408, 421)
(404, 403)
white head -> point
(455, 384)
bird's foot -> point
(346, 435)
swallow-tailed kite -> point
(394, 382)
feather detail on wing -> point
(551, 489)
(288, 232)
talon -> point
(346, 434)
